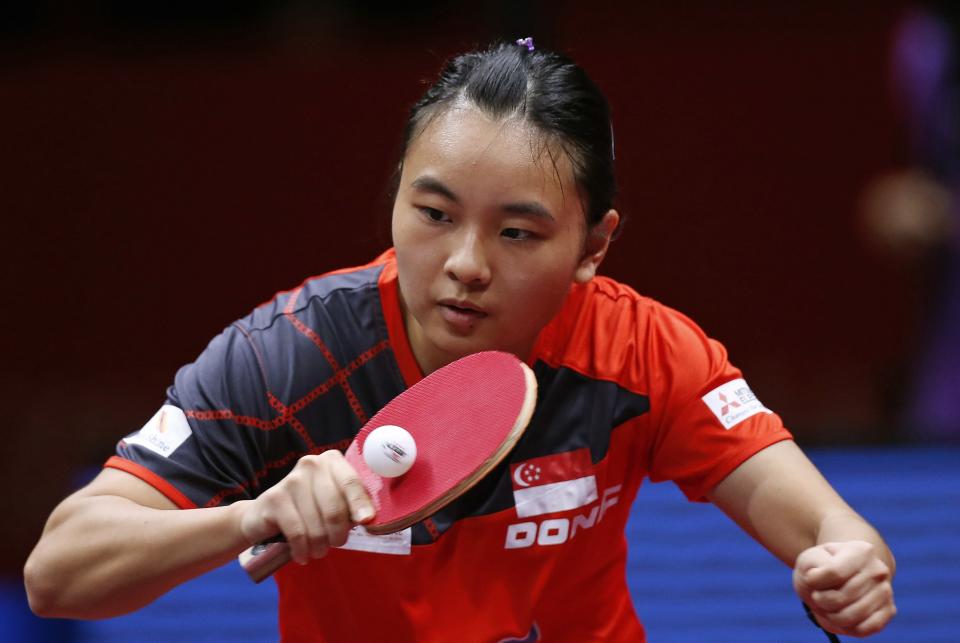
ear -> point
(595, 246)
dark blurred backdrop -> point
(168, 166)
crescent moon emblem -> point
(518, 479)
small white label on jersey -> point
(733, 403)
(164, 432)
(360, 540)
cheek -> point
(549, 275)
(544, 286)
(539, 295)
(399, 229)
(404, 242)
(548, 283)
(416, 262)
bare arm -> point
(118, 543)
(842, 567)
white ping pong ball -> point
(389, 451)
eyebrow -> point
(430, 184)
(523, 208)
(528, 208)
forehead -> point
(464, 145)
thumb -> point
(812, 558)
(809, 560)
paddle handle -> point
(261, 560)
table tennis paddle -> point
(464, 417)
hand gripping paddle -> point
(464, 417)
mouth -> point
(463, 306)
(462, 315)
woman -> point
(503, 213)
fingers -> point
(847, 587)
(296, 528)
(314, 507)
(329, 501)
(812, 558)
(830, 565)
(346, 479)
(840, 567)
(864, 616)
(271, 514)
(310, 538)
(833, 600)
(876, 621)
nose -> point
(467, 261)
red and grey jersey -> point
(628, 389)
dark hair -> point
(546, 89)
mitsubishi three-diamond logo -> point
(733, 402)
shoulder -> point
(326, 321)
(345, 287)
(609, 330)
(628, 311)
(618, 312)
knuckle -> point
(330, 455)
(295, 535)
(270, 503)
(293, 479)
(880, 573)
(269, 497)
(886, 592)
(335, 512)
(858, 547)
(338, 537)
(307, 462)
(262, 507)
(353, 488)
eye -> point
(518, 234)
(434, 215)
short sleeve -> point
(707, 419)
(203, 447)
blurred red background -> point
(161, 176)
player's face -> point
(489, 234)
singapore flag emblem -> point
(553, 483)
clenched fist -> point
(847, 587)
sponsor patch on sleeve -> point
(733, 403)
(164, 432)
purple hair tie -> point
(526, 42)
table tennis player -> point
(503, 212)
